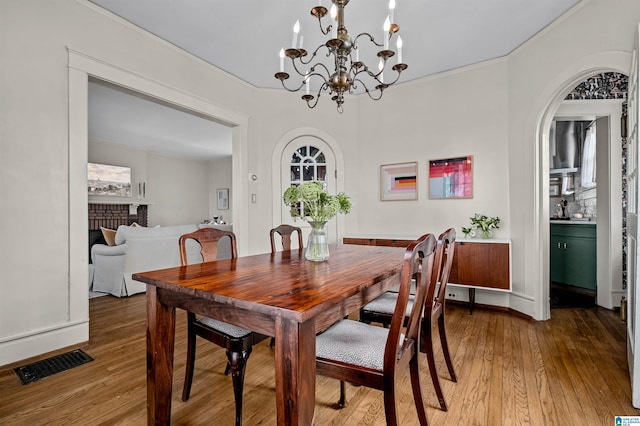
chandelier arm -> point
(319, 12)
(314, 72)
(370, 93)
(313, 55)
(292, 90)
(324, 32)
(396, 79)
(371, 39)
(372, 75)
(309, 99)
(295, 68)
(364, 85)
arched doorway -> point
(304, 159)
(322, 157)
(543, 112)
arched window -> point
(307, 158)
(308, 163)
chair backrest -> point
(208, 239)
(418, 263)
(442, 268)
(285, 232)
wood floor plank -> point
(570, 370)
(552, 365)
(496, 386)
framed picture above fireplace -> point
(107, 180)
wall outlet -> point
(451, 295)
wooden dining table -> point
(281, 295)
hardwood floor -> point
(571, 370)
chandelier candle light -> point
(348, 71)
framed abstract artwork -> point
(399, 181)
(451, 178)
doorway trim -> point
(538, 123)
(81, 67)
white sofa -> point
(140, 249)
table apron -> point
(328, 317)
(251, 320)
(263, 323)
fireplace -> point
(111, 216)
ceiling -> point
(118, 115)
(243, 38)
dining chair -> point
(381, 309)
(367, 355)
(285, 231)
(236, 340)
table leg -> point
(295, 363)
(161, 328)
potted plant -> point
(311, 202)
(485, 224)
(468, 232)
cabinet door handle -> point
(564, 246)
(559, 245)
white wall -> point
(453, 115)
(177, 189)
(220, 176)
(278, 114)
(492, 111)
(119, 155)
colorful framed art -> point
(399, 181)
(451, 178)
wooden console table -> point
(477, 263)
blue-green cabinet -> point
(573, 255)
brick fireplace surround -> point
(113, 215)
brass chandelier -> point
(348, 71)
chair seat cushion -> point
(353, 342)
(223, 327)
(386, 303)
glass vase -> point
(318, 244)
(486, 234)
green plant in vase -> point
(468, 232)
(485, 224)
(311, 202)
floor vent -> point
(48, 367)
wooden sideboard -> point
(477, 263)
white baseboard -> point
(523, 304)
(512, 300)
(33, 344)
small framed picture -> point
(399, 181)
(222, 195)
